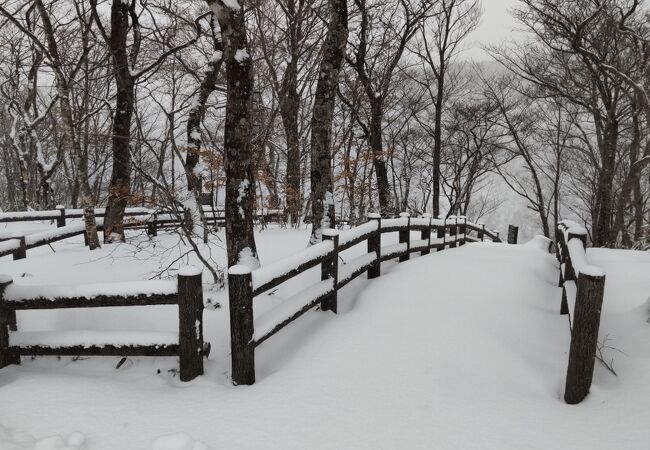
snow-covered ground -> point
(463, 349)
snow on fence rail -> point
(17, 244)
(583, 287)
(244, 285)
(187, 344)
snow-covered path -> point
(459, 350)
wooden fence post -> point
(190, 322)
(481, 232)
(584, 337)
(462, 229)
(405, 237)
(60, 220)
(330, 270)
(7, 323)
(441, 232)
(513, 234)
(240, 288)
(20, 252)
(426, 235)
(498, 237)
(374, 245)
(453, 232)
(152, 225)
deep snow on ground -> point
(463, 349)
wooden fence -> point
(245, 285)
(151, 220)
(583, 287)
(186, 292)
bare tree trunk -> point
(80, 160)
(377, 146)
(120, 185)
(240, 188)
(323, 211)
(602, 232)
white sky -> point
(496, 25)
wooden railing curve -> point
(244, 285)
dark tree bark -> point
(120, 185)
(323, 211)
(240, 192)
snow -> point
(190, 271)
(269, 320)
(356, 232)
(239, 269)
(9, 246)
(248, 258)
(91, 338)
(347, 269)
(241, 55)
(579, 259)
(390, 223)
(177, 441)
(462, 349)
(22, 289)
(270, 272)
(395, 249)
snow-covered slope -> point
(459, 350)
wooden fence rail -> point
(244, 285)
(186, 292)
(583, 286)
(151, 220)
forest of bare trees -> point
(327, 110)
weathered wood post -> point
(481, 232)
(498, 237)
(7, 323)
(20, 252)
(513, 234)
(584, 336)
(441, 232)
(426, 234)
(405, 237)
(462, 229)
(453, 232)
(569, 272)
(190, 322)
(152, 225)
(374, 245)
(60, 220)
(240, 288)
(330, 270)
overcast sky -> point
(496, 25)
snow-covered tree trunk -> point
(194, 120)
(240, 192)
(322, 198)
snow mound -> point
(10, 440)
(540, 243)
(178, 441)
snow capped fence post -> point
(481, 232)
(190, 322)
(513, 233)
(405, 237)
(7, 322)
(374, 245)
(426, 235)
(330, 270)
(60, 221)
(21, 252)
(240, 288)
(584, 336)
(462, 229)
(453, 232)
(441, 232)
